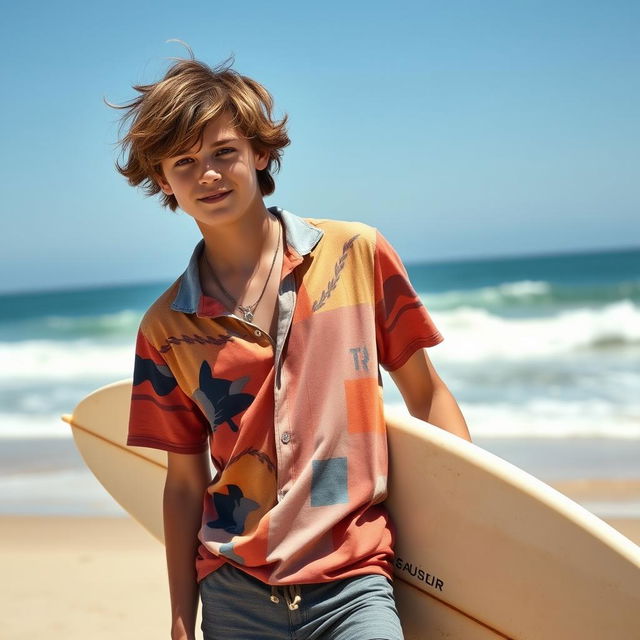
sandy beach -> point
(80, 577)
(73, 578)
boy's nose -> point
(210, 174)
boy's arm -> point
(426, 395)
(187, 478)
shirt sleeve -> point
(403, 324)
(162, 415)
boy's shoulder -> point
(159, 313)
(344, 230)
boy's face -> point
(216, 181)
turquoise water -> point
(537, 350)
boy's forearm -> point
(427, 397)
(438, 407)
(444, 412)
(182, 519)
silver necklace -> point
(248, 311)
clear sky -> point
(459, 128)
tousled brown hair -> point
(169, 117)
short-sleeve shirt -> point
(294, 423)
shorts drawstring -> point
(292, 595)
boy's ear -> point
(261, 159)
(163, 184)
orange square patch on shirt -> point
(363, 414)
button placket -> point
(282, 435)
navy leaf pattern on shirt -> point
(221, 400)
(232, 509)
(159, 375)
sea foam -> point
(476, 334)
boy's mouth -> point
(215, 197)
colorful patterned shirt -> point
(294, 424)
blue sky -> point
(460, 129)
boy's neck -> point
(235, 250)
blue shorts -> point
(237, 606)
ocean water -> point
(542, 353)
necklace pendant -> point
(246, 314)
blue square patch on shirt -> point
(329, 482)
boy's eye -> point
(221, 152)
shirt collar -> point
(301, 237)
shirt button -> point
(285, 438)
(258, 332)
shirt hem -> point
(137, 441)
(366, 570)
(411, 348)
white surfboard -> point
(484, 550)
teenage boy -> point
(262, 360)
